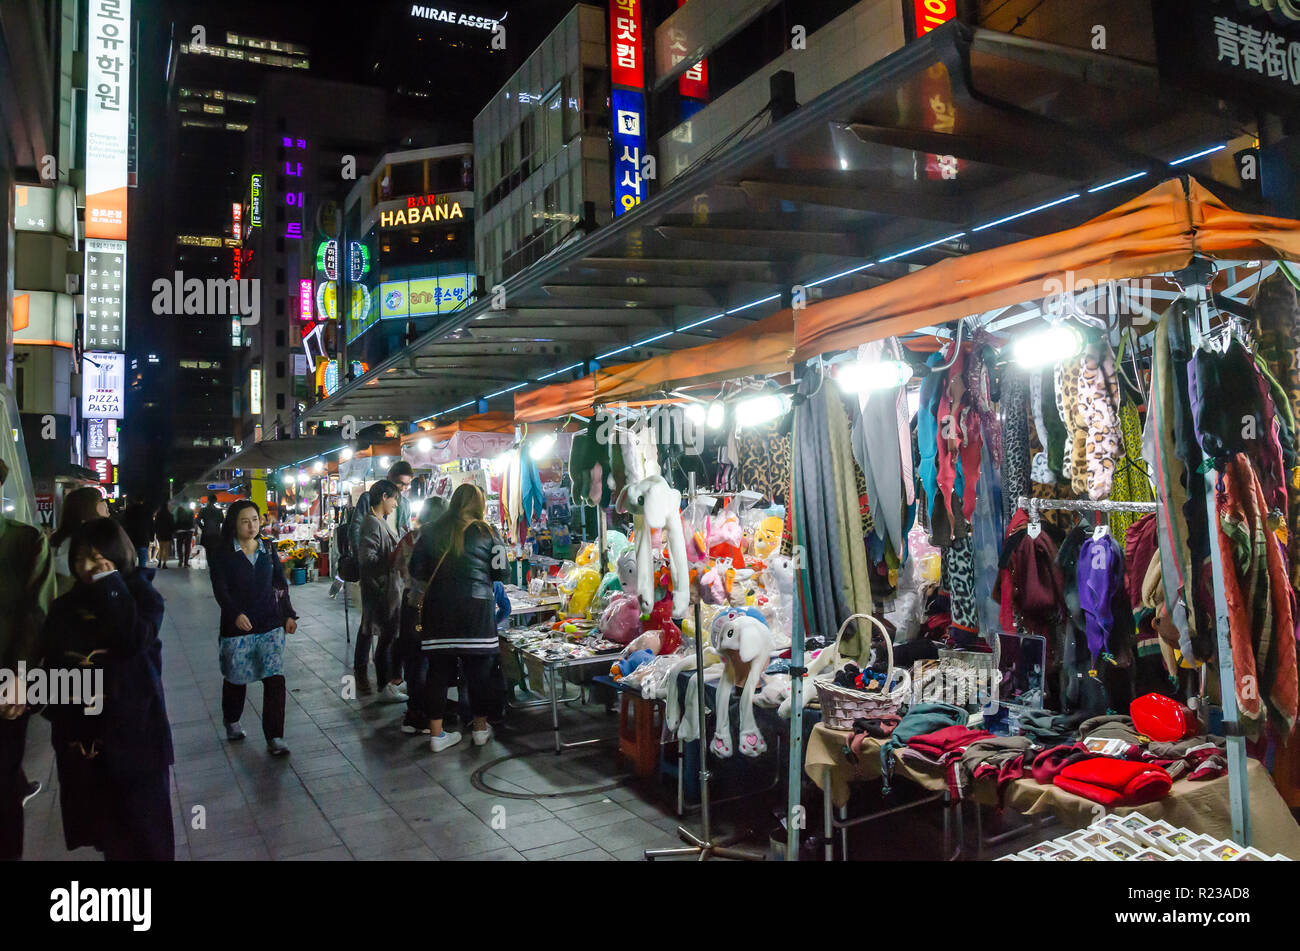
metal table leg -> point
(555, 711)
(844, 832)
(828, 819)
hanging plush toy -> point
(661, 619)
(627, 571)
(656, 505)
(767, 537)
(744, 645)
(589, 462)
(621, 620)
(724, 537)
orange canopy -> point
(494, 422)
(1157, 231)
(765, 346)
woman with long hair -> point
(113, 748)
(256, 614)
(378, 604)
(79, 506)
(458, 560)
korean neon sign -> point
(931, 14)
(625, 43)
(305, 297)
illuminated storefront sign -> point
(419, 215)
(929, 14)
(360, 301)
(433, 295)
(358, 261)
(327, 300)
(296, 200)
(626, 66)
(236, 217)
(629, 144)
(103, 382)
(255, 202)
(105, 322)
(694, 83)
(304, 299)
(327, 259)
(255, 390)
(108, 99)
(103, 469)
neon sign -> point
(327, 259)
(304, 299)
(358, 260)
(421, 215)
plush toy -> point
(615, 544)
(712, 588)
(627, 571)
(620, 622)
(723, 535)
(661, 619)
(587, 557)
(767, 537)
(655, 504)
(744, 645)
(581, 588)
(629, 664)
(608, 585)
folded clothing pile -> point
(951, 739)
(1115, 782)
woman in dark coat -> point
(113, 749)
(256, 614)
(378, 604)
(458, 560)
(164, 528)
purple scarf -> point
(1100, 575)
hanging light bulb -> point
(383, 462)
(716, 416)
(501, 464)
(318, 468)
(859, 377)
(346, 454)
(542, 446)
(1045, 347)
(696, 413)
(759, 409)
(425, 444)
(289, 478)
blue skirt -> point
(252, 657)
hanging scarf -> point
(1099, 410)
(1100, 577)
(1131, 482)
(1277, 330)
(1015, 438)
(1261, 625)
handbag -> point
(419, 607)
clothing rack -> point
(1033, 505)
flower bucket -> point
(299, 576)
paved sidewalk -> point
(354, 786)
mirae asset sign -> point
(452, 16)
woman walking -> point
(378, 609)
(113, 749)
(256, 613)
(408, 595)
(459, 560)
(79, 506)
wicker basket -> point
(842, 705)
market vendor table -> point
(553, 670)
(1201, 806)
(545, 606)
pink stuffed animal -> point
(620, 622)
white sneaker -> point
(480, 737)
(391, 694)
(443, 741)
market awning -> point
(765, 346)
(961, 141)
(1158, 231)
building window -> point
(279, 307)
(279, 275)
(279, 369)
(279, 338)
(279, 401)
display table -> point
(1201, 806)
(550, 673)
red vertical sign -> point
(933, 13)
(626, 66)
(694, 83)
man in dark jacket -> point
(210, 519)
(184, 535)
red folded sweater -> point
(947, 740)
(1115, 782)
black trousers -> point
(388, 649)
(184, 542)
(274, 697)
(13, 782)
(443, 667)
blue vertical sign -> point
(629, 147)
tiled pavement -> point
(354, 786)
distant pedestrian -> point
(114, 755)
(209, 522)
(137, 520)
(164, 528)
(256, 614)
(79, 506)
(184, 534)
